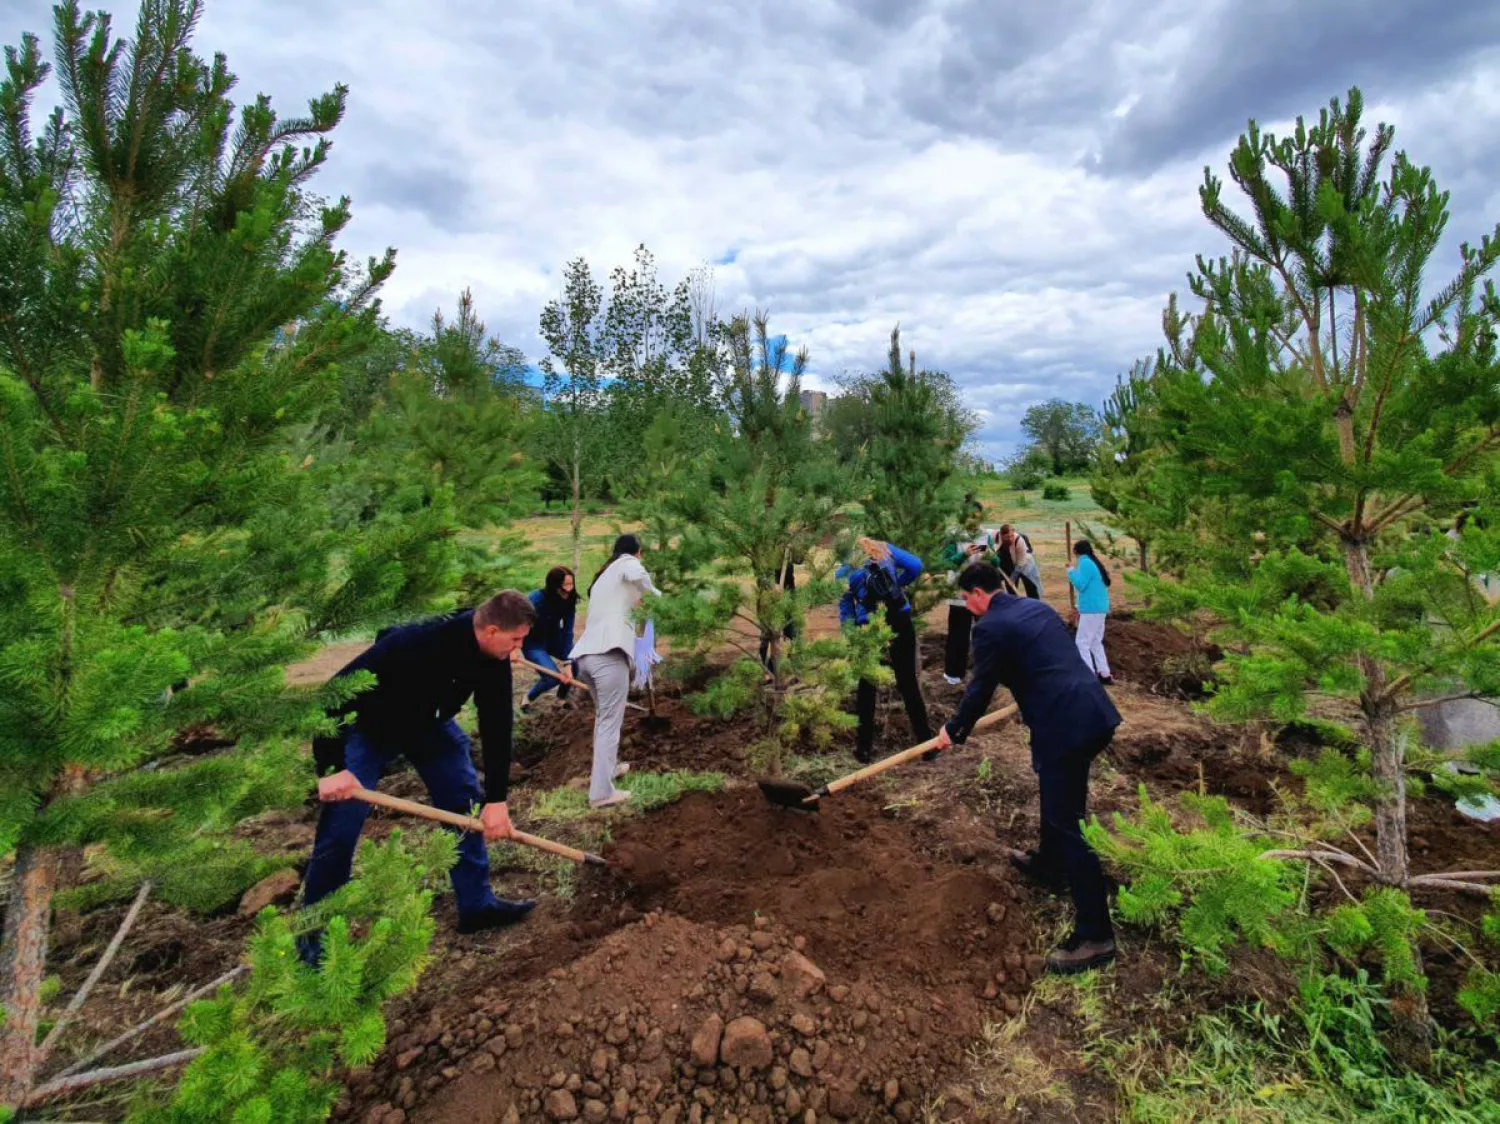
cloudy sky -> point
(1014, 183)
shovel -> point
(790, 794)
(469, 823)
(579, 683)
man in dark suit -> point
(424, 673)
(1022, 643)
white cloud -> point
(1016, 185)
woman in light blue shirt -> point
(1091, 580)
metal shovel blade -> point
(790, 794)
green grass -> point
(648, 792)
(818, 769)
(559, 805)
(1324, 1060)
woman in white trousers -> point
(1091, 580)
(604, 658)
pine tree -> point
(762, 498)
(269, 1050)
(171, 302)
(1134, 481)
(1326, 419)
(449, 444)
(913, 492)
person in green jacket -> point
(1091, 580)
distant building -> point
(814, 401)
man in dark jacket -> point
(424, 673)
(1022, 644)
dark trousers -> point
(441, 758)
(1024, 585)
(902, 655)
(960, 627)
(787, 633)
(1064, 783)
(789, 584)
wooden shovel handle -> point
(991, 719)
(469, 823)
(579, 683)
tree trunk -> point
(1389, 766)
(773, 704)
(1386, 755)
(23, 958)
(1140, 546)
(1411, 1024)
(577, 506)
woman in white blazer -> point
(604, 659)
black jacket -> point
(1022, 643)
(424, 673)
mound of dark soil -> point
(1159, 656)
(769, 963)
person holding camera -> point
(880, 586)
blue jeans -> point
(544, 683)
(442, 760)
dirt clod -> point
(746, 1044)
(275, 889)
(706, 1041)
(561, 1105)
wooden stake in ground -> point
(1068, 558)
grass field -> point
(549, 537)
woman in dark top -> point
(551, 637)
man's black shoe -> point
(1076, 955)
(495, 916)
(864, 756)
(310, 949)
(1026, 862)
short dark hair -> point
(507, 610)
(984, 576)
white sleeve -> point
(636, 574)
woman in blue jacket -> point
(881, 584)
(551, 637)
(1091, 580)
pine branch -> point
(1464, 874)
(1410, 502)
(1438, 882)
(1360, 843)
(1405, 681)
(1422, 704)
(44, 1051)
(1333, 855)
(63, 1086)
(139, 1029)
(1331, 523)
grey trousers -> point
(608, 676)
